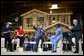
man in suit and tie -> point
(76, 29)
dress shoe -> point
(76, 52)
(34, 51)
(73, 44)
(53, 51)
(11, 50)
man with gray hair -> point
(76, 29)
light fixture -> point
(53, 21)
(54, 6)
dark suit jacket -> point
(77, 30)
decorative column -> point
(47, 19)
(60, 17)
(24, 23)
(69, 18)
(65, 19)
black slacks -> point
(8, 44)
(21, 41)
(37, 42)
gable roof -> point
(33, 11)
(62, 24)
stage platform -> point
(40, 53)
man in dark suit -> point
(76, 29)
(39, 34)
(6, 32)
